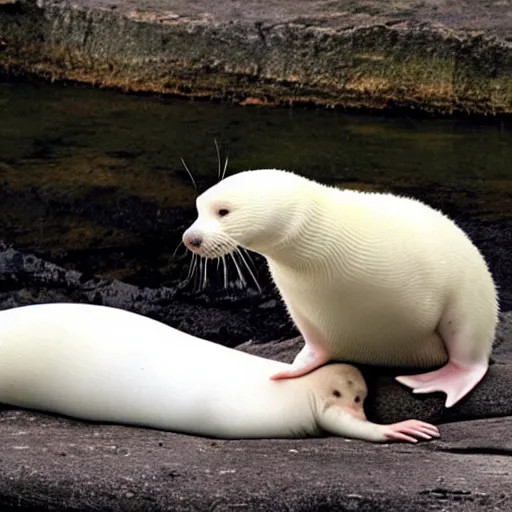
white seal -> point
(367, 277)
(104, 364)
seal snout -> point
(192, 240)
(357, 412)
(207, 241)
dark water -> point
(93, 179)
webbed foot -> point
(454, 379)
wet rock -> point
(435, 56)
(50, 463)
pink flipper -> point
(306, 361)
(312, 355)
(454, 379)
(405, 430)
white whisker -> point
(240, 275)
(205, 276)
(225, 268)
(239, 252)
(225, 167)
(248, 254)
(191, 269)
(201, 273)
(189, 173)
(195, 270)
(218, 160)
(176, 250)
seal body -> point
(367, 277)
(104, 364)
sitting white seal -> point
(367, 277)
(104, 364)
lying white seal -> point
(104, 364)
(367, 277)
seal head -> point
(255, 210)
(338, 392)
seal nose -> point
(192, 240)
(196, 241)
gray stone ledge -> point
(443, 56)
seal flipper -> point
(454, 379)
(312, 355)
(342, 423)
(468, 340)
(408, 430)
(307, 360)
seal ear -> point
(222, 212)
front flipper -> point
(454, 379)
(343, 423)
(307, 360)
(408, 431)
(313, 353)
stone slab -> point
(439, 56)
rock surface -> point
(52, 463)
(441, 56)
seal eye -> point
(223, 212)
(336, 393)
(357, 399)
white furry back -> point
(376, 273)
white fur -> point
(104, 364)
(367, 277)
